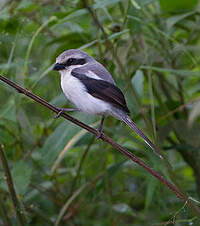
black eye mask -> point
(74, 61)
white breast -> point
(76, 92)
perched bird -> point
(91, 88)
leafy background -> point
(62, 174)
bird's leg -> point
(100, 127)
(61, 110)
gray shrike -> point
(91, 88)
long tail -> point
(125, 118)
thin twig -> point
(108, 43)
(80, 164)
(179, 108)
(48, 195)
(8, 178)
(33, 209)
(105, 138)
(4, 213)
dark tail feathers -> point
(133, 126)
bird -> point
(90, 87)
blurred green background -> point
(62, 174)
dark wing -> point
(103, 90)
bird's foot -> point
(99, 135)
(61, 110)
(58, 114)
(99, 130)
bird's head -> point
(71, 59)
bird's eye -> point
(70, 61)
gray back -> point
(97, 69)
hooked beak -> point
(58, 67)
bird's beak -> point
(58, 67)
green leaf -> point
(194, 113)
(60, 137)
(190, 135)
(5, 137)
(72, 142)
(104, 3)
(24, 4)
(171, 21)
(123, 208)
(177, 5)
(72, 15)
(138, 3)
(110, 172)
(173, 71)
(21, 175)
(151, 186)
(118, 34)
(57, 140)
(145, 2)
(163, 132)
(138, 82)
(27, 6)
(4, 13)
(9, 110)
(25, 124)
(59, 100)
(135, 4)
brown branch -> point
(8, 178)
(106, 139)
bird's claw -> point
(99, 135)
(58, 114)
(61, 110)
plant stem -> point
(3, 213)
(8, 178)
(108, 43)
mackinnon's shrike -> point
(91, 88)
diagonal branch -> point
(106, 139)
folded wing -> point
(103, 90)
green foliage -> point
(138, 82)
(21, 174)
(177, 6)
(62, 174)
